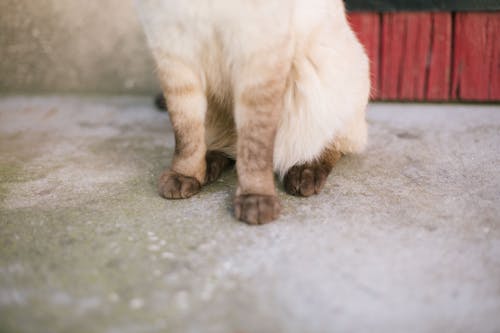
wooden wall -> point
(432, 56)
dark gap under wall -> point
(422, 5)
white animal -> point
(277, 85)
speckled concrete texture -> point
(73, 46)
(404, 238)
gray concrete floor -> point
(404, 238)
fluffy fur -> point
(221, 61)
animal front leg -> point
(256, 201)
(186, 104)
(258, 110)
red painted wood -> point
(438, 74)
(412, 56)
(367, 28)
(415, 56)
(476, 65)
(393, 49)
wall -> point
(76, 46)
(432, 56)
(73, 46)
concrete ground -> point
(404, 238)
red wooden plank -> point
(398, 67)
(367, 28)
(414, 62)
(439, 66)
(476, 65)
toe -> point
(291, 181)
(307, 182)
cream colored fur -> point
(214, 43)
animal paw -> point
(217, 162)
(256, 209)
(173, 185)
(306, 179)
